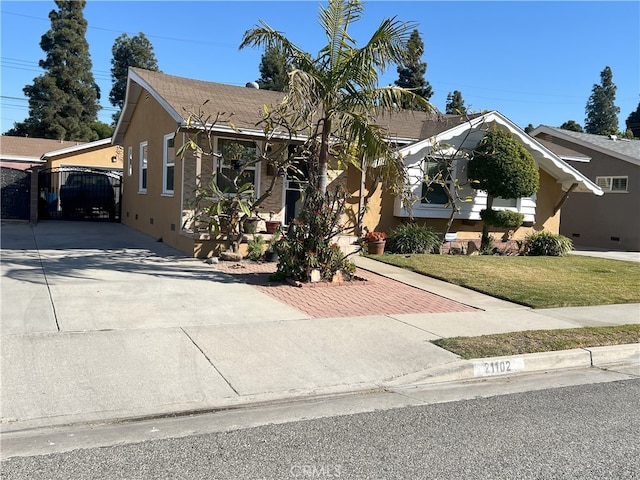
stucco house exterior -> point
(611, 221)
(158, 184)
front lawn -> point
(533, 341)
(538, 282)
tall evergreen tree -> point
(571, 125)
(412, 70)
(63, 102)
(135, 51)
(602, 113)
(273, 71)
(455, 104)
(633, 122)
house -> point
(158, 185)
(612, 221)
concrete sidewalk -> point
(100, 322)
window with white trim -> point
(142, 183)
(168, 164)
(613, 184)
(129, 161)
(237, 160)
(437, 182)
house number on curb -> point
(504, 366)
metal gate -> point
(16, 188)
(75, 193)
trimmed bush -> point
(502, 218)
(256, 247)
(414, 238)
(547, 244)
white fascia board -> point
(548, 161)
(249, 132)
(77, 148)
(568, 158)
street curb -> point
(523, 364)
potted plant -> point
(271, 224)
(271, 255)
(376, 242)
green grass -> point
(538, 282)
(533, 341)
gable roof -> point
(179, 96)
(27, 149)
(546, 159)
(622, 148)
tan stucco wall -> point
(151, 212)
(98, 157)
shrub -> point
(502, 218)
(256, 247)
(309, 241)
(414, 238)
(547, 244)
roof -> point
(29, 149)
(548, 161)
(106, 142)
(622, 148)
(179, 96)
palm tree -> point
(336, 95)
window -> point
(613, 184)
(168, 164)
(129, 160)
(433, 191)
(142, 187)
(505, 202)
(238, 161)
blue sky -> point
(535, 62)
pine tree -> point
(63, 102)
(455, 104)
(633, 122)
(411, 72)
(135, 51)
(572, 126)
(602, 113)
(273, 71)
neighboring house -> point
(22, 153)
(17, 156)
(158, 185)
(612, 221)
(55, 160)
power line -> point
(109, 109)
(160, 37)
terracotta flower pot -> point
(376, 248)
(272, 226)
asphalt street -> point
(577, 432)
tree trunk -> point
(485, 241)
(323, 158)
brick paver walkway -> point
(377, 295)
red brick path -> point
(377, 295)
